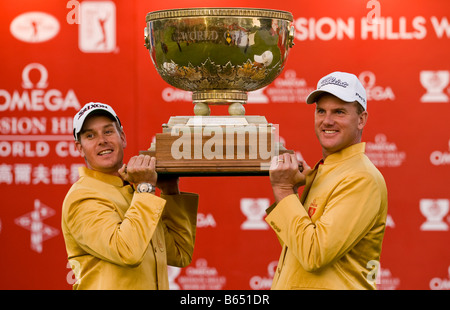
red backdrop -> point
(51, 66)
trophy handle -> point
(291, 37)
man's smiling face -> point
(102, 144)
(337, 124)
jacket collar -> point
(343, 154)
(107, 178)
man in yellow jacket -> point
(332, 234)
(118, 233)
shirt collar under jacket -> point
(343, 154)
(107, 178)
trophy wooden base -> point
(216, 146)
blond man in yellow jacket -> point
(118, 233)
(332, 234)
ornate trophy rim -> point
(219, 12)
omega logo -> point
(26, 82)
(36, 96)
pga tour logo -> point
(97, 27)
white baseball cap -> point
(345, 86)
(79, 118)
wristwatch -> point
(145, 188)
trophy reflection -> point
(218, 54)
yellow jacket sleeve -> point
(100, 230)
(180, 219)
(350, 211)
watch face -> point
(143, 187)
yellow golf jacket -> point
(331, 237)
(117, 238)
